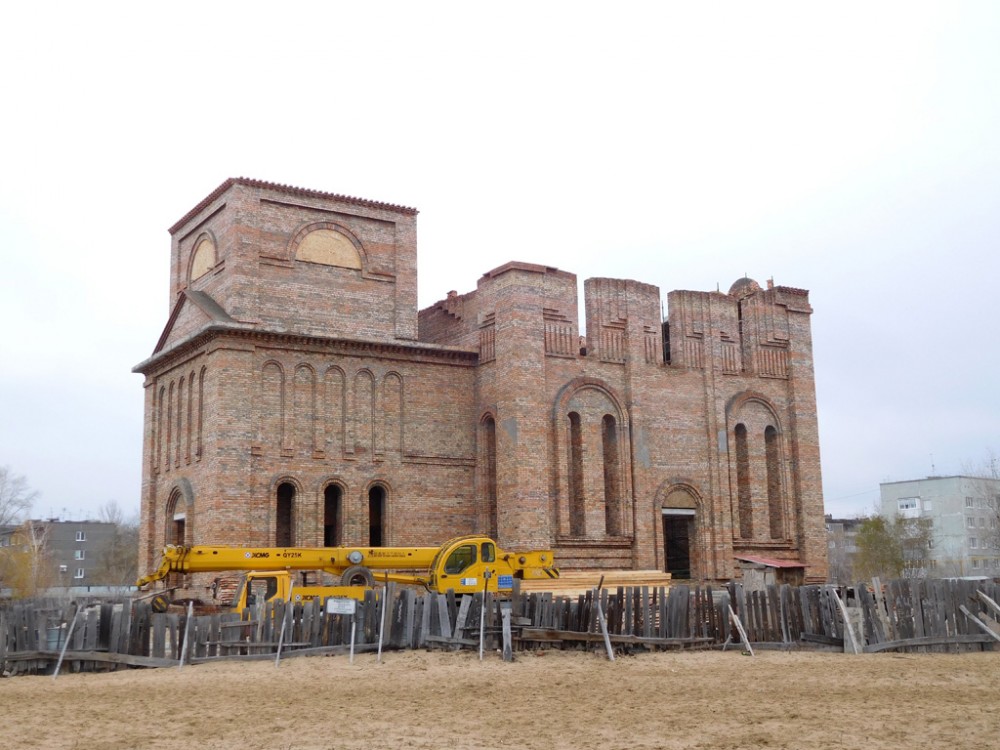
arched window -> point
(271, 421)
(179, 435)
(490, 474)
(577, 513)
(774, 504)
(364, 412)
(612, 480)
(170, 427)
(204, 258)
(331, 516)
(189, 419)
(201, 411)
(743, 493)
(284, 527)
(161, 419)
(303, 437)
(328, 247)
(376, 516)
(593, 499)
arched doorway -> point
(678, 513)
(176, 519)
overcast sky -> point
(848, 149)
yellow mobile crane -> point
(465, 564)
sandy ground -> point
(554, 700)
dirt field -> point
(556, 701)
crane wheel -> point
(357, 575)
(159, 603)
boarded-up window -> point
(329, 248)
(204, 258)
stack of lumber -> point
(575, 582)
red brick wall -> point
(316, 378)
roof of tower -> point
(743, 287)
(289, 190)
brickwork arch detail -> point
(180, 500)
(740, 401)
(592, 473)
(682, 494)
(570, 389)
(669, 486)
(363, 411)
(758, 473)
(486, 475)
(334, 410)
(271, 431)
(334, 252)
(304, 422)
(391, 410)
(204, 257)
(331, 480)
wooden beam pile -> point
(576, 582)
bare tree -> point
(841, 550)
(16, 497)
(987, 494)
(118, 561)
(111, 512)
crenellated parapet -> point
(622, 314)
(526, 299)
(747, 331)
(297, 396)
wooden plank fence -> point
(903, 615)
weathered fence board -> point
(911, 615)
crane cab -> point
(469, 564)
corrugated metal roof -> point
(770, 561)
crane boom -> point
(458, 564)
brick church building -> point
(297, 397)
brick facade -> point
(296, 396)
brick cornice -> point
(288, 190)
(316, 344)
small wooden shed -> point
(760, 572)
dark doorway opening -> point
(677, 532)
